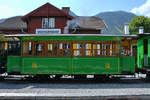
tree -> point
(137, 22)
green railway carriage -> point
(66, 54)
(143, 53)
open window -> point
(27, 48)
(77, 49)
(39, 49)
(71, 48)
(88, 48)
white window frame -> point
(48, 23)
(44, 23)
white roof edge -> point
(20, 35)
(143, 34)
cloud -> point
(7, 12)
(143, 9)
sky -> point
(9, 8)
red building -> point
(48, 19)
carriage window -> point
(77, 49)
(50, 48)
(67, 51)
(106, 49)
(55, 49)
(116, 49)
(67, 48)
(96, 49)
(39, 49)
(27, 48)
(13, 47)
(87, 48)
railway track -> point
(127, 79)
(128, 88)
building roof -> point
(47, 10)
(13, 23)
(87, 22)
(79, 22)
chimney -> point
(126, 29)
(66, 10)
(141, 30)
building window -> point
(51, 22)
(48, 23)
(44, 22)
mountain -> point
(72, 13)
(115, 20)
(2, 20)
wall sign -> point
(48, 31)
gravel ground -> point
(75, 88)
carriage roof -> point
(28, 35)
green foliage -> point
(137, 22)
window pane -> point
(67, 51)
(50, 48)
(87, 48)
(98, 49)
(27, 48)
(76, 49)
(39, 49)
(55, 49)
(94, 49)
(51, 22)
(116, 49)
(107, 50)
(60, 46)
(44, 22)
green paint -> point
(140, 53)
(127, 64)
(96, 65)
(71, 65)
(47, 65)
(71, 38)
(13, 63)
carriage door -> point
(134, 51)
(145, 53)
